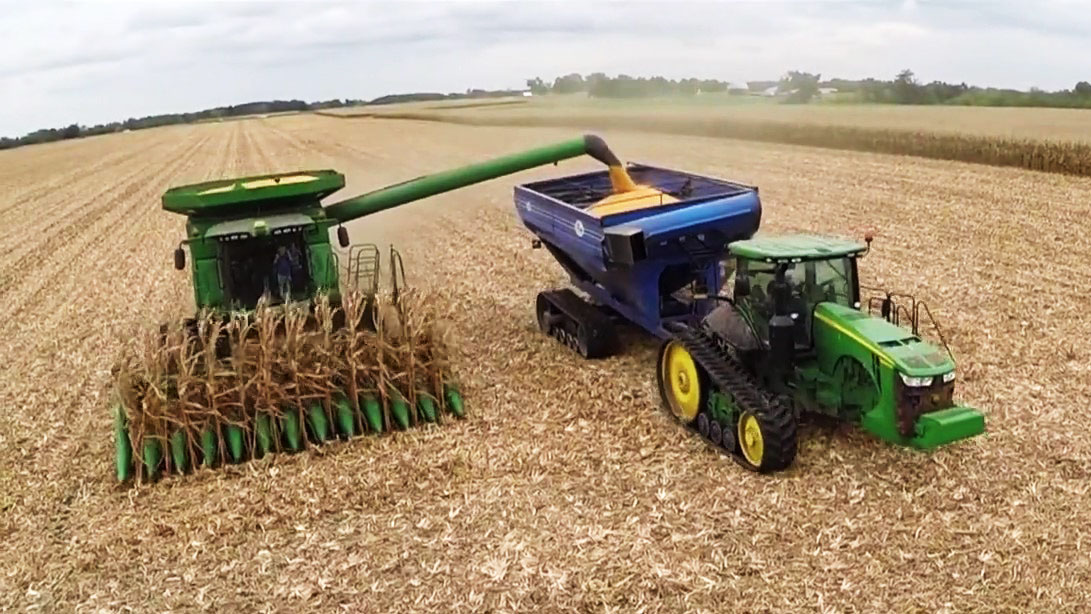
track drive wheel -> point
(682, 383)
(766, 439)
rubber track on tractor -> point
(595, 336)
(728, 376)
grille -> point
(913, 402)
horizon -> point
(111, 61)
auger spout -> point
(445, 181)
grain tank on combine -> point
(292, 343)
(754, 330)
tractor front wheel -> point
(766, 439)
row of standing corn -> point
(279, 378)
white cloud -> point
(92, 62)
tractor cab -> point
(788, 277)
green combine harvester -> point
(261, 244)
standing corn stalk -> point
(279, 378)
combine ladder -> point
(363, 267)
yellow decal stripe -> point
(282, 180)
(864, 342)
(221, 189)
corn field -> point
(1051, 156)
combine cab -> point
(754, 331)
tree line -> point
(599, 85)
(73, 131)
(794, 87)
(906, 89)
(803, 87)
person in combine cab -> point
(282, 265)
(297, 265)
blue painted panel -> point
(684, 240)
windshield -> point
(810, 282)
(832, 281)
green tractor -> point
(795, 337)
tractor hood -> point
(898, 346)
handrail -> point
(892, 312)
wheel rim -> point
(714, 432)
(750, 439)
(683, 387)
(727, 439)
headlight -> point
(948, 377)
(916, 382)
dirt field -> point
(567, 489)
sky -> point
(98, 61)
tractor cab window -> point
(758, 304)
(830, 281)
(819, 281)
(810, 283)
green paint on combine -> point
(208, 448)
(426, 407)
(178, 451)
(346, 422)
(263, 432)
(124, 457)
(373, 413)
(293, 434)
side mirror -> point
(343, 236)
(179, 258)
(869, 236)
(742, 286)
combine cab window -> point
(248, 267)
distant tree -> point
(760, 86)
(713, 86)
(689, 87)
(569, 84)
(906, 89)
(1083, 88)
(842, 85)
(537, 86)
(803, 86)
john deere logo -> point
(579, 228)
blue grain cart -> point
(648, 255)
